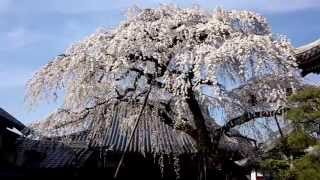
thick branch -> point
(248, 116)
(243, 137)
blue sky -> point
(33, 31)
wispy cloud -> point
(284, 5)
(78, 6)
(4, 5)
(14, 77)
(18, 38)
(85, 6)
(265, 6)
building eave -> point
(308, 57)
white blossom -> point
(232, 52)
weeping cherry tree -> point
(186, 62)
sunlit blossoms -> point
(225, 57)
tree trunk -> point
(203, 135)
(203, 139)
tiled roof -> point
(308, 57)
(152, 135)
(55, 154)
